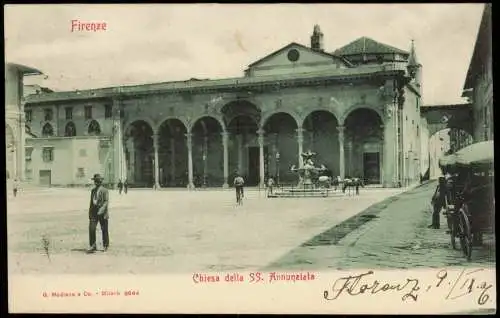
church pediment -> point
(296, 54)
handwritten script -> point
(454, 286)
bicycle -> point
(239, 195)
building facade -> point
(15, 132)
(358, 108)
(478, 85)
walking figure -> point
(270, 185)
(125, 186)
(15, 188)
(98, 213)
(120, 186)
(239, 182)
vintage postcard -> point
(250, 158)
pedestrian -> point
(239, 182)
(125, 186)
(15, 187)
(438, 202)
(270, 185)
(98, 213)
(120, 186)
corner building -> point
(358, 108)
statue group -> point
(308, 172)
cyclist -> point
(239, 182)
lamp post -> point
(277, 167)
(204, 170)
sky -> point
(149, 43)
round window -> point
(293, 55)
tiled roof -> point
(365, 45)
(212, 84)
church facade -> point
(358, 108)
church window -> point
(69, 113)
(48, 114)
(108, 111)
(70, 130)
(94, 128)
(48, 154)
(293, 55)
(88, 112)
(47, 130)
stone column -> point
(189, 137)
(156, 162)
(172, 161)
(341, 130)
(205, 160)
(260, 133)
(131, 161)
(390, 160)
(300, 142)
(225, 139)
(239, 138)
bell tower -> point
(317, 39)
(414, 67)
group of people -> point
(122, 186)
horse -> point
(325, 177)
(353, 183)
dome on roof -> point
(365, 45)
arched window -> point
(94, 128)
(47, 130)
(70, 129)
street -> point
(178, 231)
(397, 238)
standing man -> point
(125, 186)
(120, 186)
(239, 182)
(98, 213)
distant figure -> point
(120, 186)
(15, 187)
(270, 185)
(98, 213)
(125, 186)
(239, 182)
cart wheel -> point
(465, 234)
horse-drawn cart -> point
(469, 194)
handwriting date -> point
(464, 284)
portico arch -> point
(208, 156)
(321, 135)
(355, 107)
(172, 153)
(283, 140)
(364, 144)
(139, 154)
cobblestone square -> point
(170, 230)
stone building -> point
(357, 107)
(478, 85)
(15, 132)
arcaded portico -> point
(358, 108)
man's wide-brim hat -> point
(97, 177)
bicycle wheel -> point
(465, 233)
(452, 227)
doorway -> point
(45, 177)
(371, 167)
(254, 165)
